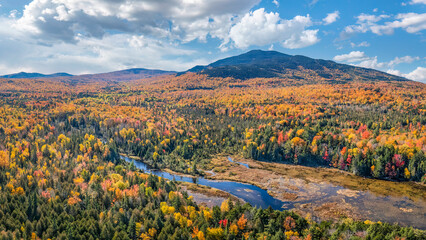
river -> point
(401, 210)
(249, 193)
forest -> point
(61, 176)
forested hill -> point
(35, 75)
(271, 64)
(295, 70)
(102, 78)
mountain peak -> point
(274, 64)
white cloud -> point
(360, 59)
(89, 55)
(418, 2)
(362, 44)
(372, 63)
(406, 59)
(262, 28)
(276, 3)
(354, 56)
(178, 21)
(184, 20)
(410, 22)
(368, 18)
(419, 74)
(331, 17)
(364, 23)
(303, 39)
(102, 35)
(313, 2)
(13, 13)
(394, 72)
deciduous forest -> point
(61, 176)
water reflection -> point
(249, 193)
(401, 210)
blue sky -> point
(89, 36)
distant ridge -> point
(35, 75)
(125, 75)
(272, 64)
(116, 76)
(252, 64)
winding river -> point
(249, 193)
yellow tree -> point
(4, 159)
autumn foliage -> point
(61, 176)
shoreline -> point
(322, 193)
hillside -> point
(271, 64)
(105, 78)
(120, 76)
(35, 75)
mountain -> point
(273, 64)
(110, 77)
(35, 75)
(123, 75)
(295, 69)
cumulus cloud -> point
(354, 56)
(331, 17)
(262, 28)
(360, 59)
(364, 23)
(363, 60)
(177, 19)
(103, 35)
(88, 55)
(303, 39)
(419, 74)
(410, 22)
(394, 72)
(372, 63)
(406, 59)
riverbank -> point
(226, 170)
(208, 196)
(328, 194)
(249, 193)
(321, 193)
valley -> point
(314, 150)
